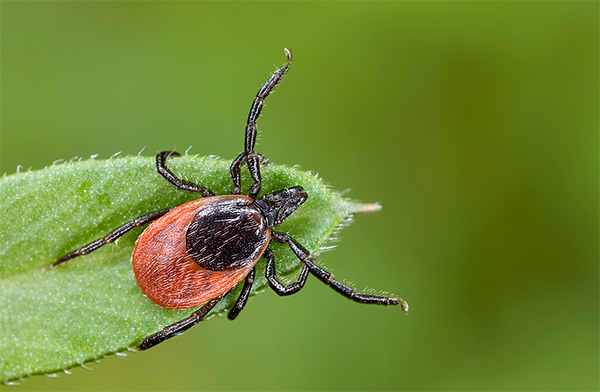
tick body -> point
(196, 253)
(199, 250)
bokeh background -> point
(474, 124)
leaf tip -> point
(404, 305)
(366, 207)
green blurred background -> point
(474, 124)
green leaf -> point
(90, 307)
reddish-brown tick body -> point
(199, 250)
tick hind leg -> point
(185, 324)
(253, 159)
(180, 326)
(327, 278)
(112, 236)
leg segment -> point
(112, 236)
(277, 286)
(327, 278)
(243, 298)
(161, 167)
(180, 326)
(252, 158)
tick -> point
(196, 253)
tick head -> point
(277, 206)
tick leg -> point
(252, 158)
(277, 286)
(180, 326)
(243, 298)
(161, 166)
(112, 236)
(327, 278)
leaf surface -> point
(90, 307)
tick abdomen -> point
(162, 259)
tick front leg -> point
(253, 160)
(249, 156)
(277, 286)
(327, 278)
(180, 326)
(112, 236)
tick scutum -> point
(228, 233)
